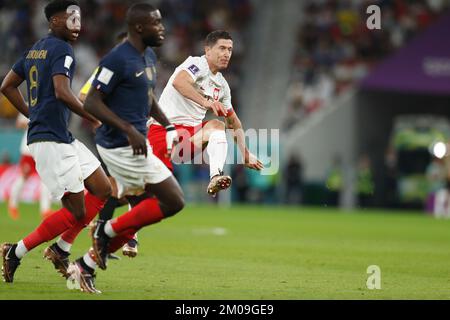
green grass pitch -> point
(249, 252)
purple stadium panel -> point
(422, 66)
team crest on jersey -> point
(216, 94)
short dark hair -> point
(137, 11)
(216, 35)
(57, 6)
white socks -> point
(63, 245)
(88, 260)
(21, 250)
(15, 191)
(217, 151)
(109, 230)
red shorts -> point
(27, 164)
(157, 137)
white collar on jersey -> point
(214, 77)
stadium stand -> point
(336, 49)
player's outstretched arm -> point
(94, 104)
(10, 90)
(64, 93)
(184, 84)
(250, 161)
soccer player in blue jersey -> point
(122, 98)
(130, 249)
(64, 164)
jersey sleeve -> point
(195, 67)
(19, 67)
(63, 60)
(85, 89)
(110, 73)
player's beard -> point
(151, 41)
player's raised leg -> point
(50, 227)
(98, 190)
(145, 210)
(78, 209)
(213, 134)
(168, 200)
(196, 86)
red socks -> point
(61, 221)
(145, 213)
(117, 242)
(93, 206)
(49, 228)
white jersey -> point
(183, 111)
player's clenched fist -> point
(252, 162)
(137, 141)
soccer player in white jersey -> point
(196, 86)
(27, 169)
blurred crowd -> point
(187, 22)
(336, 49)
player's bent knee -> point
(74, 203)
(217, 124)
(176, 205)
(103, 191)
(179, 204)
(106, 192)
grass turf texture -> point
(247, 252)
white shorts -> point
(63, 167)
(133, 172)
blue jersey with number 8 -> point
(49, 117)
